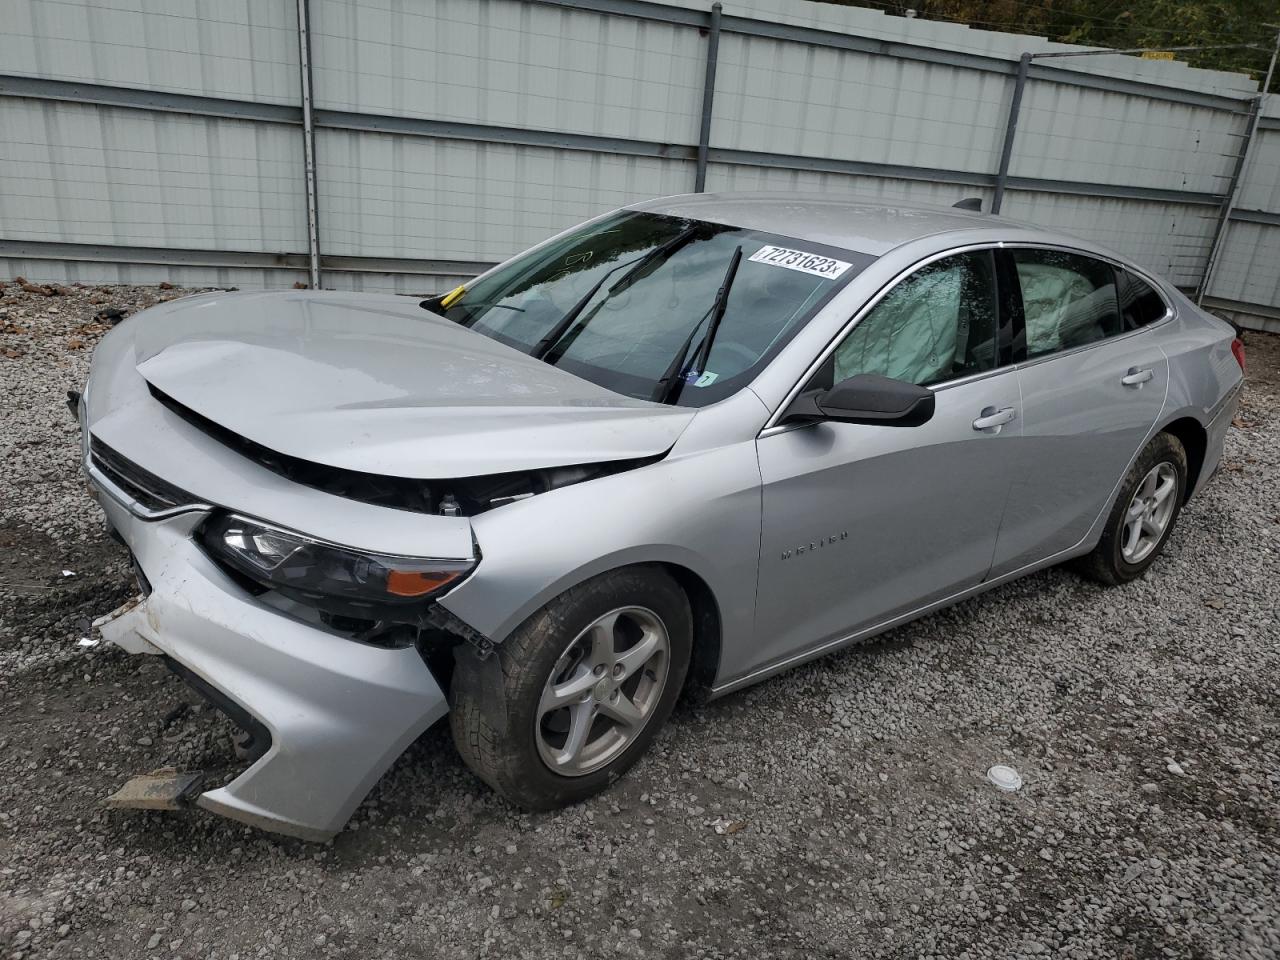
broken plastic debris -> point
(163, 789)
(1005, 778)
(726, 827)
(68, 573)
(88, 641)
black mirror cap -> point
(866, 398)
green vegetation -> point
(1122, 24)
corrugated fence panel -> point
(728, 177)
(511, 64)
(786, 97)
(84, 174)
(1069, 133)
(1260, 189)
(96, 272)
(1246, 270)
(864, 22)
(392, 196)
(244, 49)
(1170, 239)
(529, 80)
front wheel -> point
(1144, 514)
(579, 689)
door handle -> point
(992, 418)
(1137, 376)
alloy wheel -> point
(602, 691)
(1147, 518)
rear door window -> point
(1068, 300)
(1139, 302)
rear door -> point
(1093, 382)
(862, 523)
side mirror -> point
(866, 398)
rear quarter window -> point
(1139, 302)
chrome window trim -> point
(1036, 361)
(772, 426)
(1137, 271)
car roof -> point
(872, 227)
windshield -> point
(635, 300)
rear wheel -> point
(1144, 514)
(578, 691)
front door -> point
(863, 523)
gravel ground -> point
(838, 811)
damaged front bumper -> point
(336, 713)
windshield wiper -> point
(672, 381)
(491, 303)
(433, 304)
(652, 258)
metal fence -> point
(401, 145)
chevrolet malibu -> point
(681, 447)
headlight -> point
(326, 576)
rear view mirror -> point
(866, 398)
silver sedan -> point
(681, 447)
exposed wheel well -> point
(706, 629)
(1195, 441)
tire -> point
(501, 722)
(1114, 561)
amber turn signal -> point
(416, 583)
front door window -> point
(936, 325)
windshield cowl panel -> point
(634, 299)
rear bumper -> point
(1216, 435)
(337, 712)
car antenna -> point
(969, 203)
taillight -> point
(1237, 351)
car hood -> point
(377, 384)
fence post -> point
(708, 97)
(1229, 201)
(1006, 151)
(309, 146)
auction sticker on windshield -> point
(805, 262)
